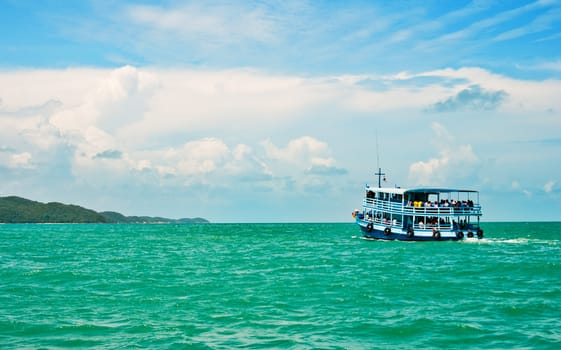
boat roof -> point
(430, 190)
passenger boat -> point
(419, 214)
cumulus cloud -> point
(303, 149)
(305, 164)
(521, 95)
(201, 156)
(472, 98)
(12, 159)
(139, 106)
(184, 129)
(20, 160)
(117, 99)
(301, 164)
(306, 153)
(115, 127)
(455, 162)
(208, 161)
(47, 108)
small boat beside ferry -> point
(419, 213)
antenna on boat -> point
(379, 173)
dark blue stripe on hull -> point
(376, 234)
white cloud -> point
(192, 162)
(127, 109)
(117, 99)
(551, 65)
(201, 156)
(548, 187)
(14, 160)
(134, 107)
(523, 95)
(210, 100)
(247, 130)
(213, 23)
(20, 160)
(303, 149)
(211, 162)
(302, 154)
(472, 98)
(116, 128)
(455, 163)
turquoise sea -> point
(223, 286)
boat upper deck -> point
(423, 201)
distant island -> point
(17, 210)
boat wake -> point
(521, 241)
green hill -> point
(20, 210)
(120, 218)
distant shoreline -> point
(18, 210)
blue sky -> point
(268, 111)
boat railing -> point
(443, 211)
(387, 206)
(398, 207)
(385, 222)
(443, 227)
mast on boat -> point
(379, 173)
